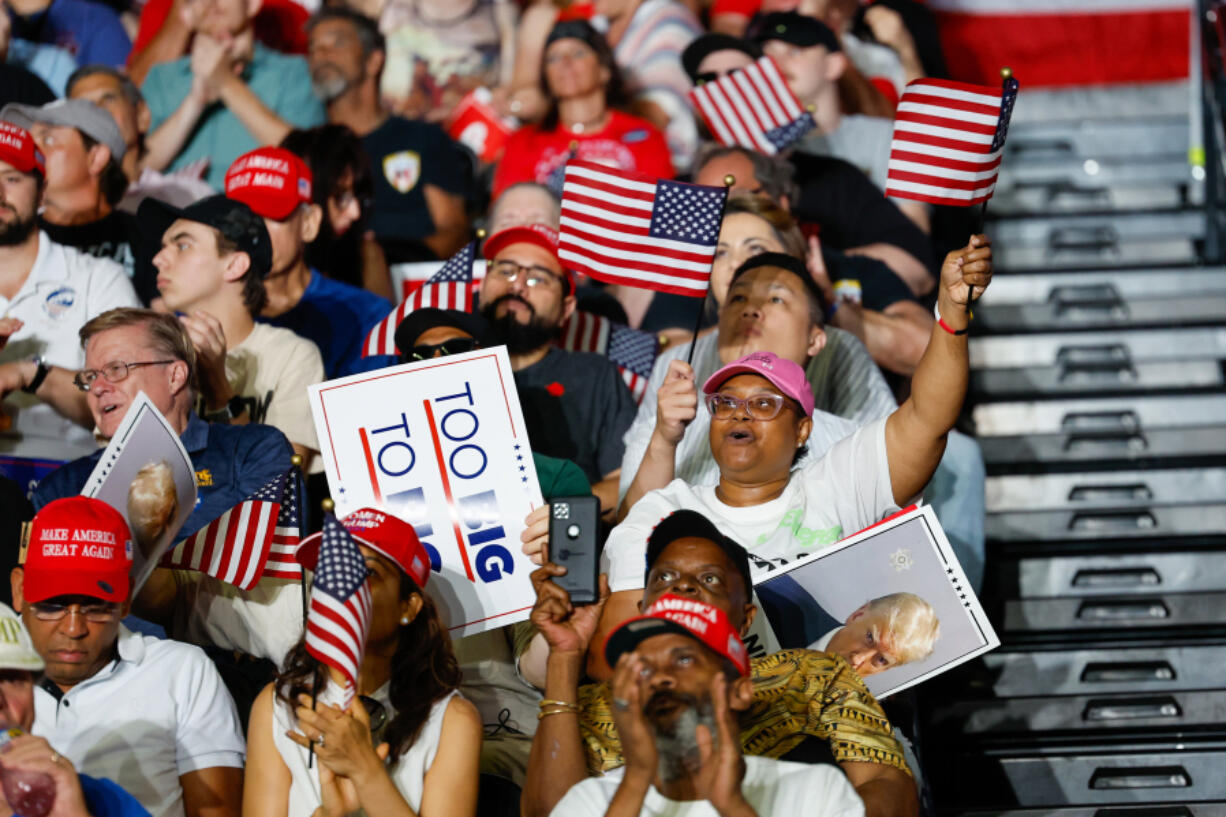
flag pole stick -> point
(729, 180)
(328, 505)
(1006, 74)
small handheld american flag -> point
(752, 108)
(338, 618)
(449, 288)
(633, 350)
(253, 539)
(626, 228)
(948, 141)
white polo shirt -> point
(64, 290)
(157, 712)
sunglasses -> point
(378, 716)
(428, 351)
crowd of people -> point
(215, 202)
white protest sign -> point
(442, 445)
(146, 475)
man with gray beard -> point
(47, 291)
(681, 679)
(421, 182)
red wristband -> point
(941, 322)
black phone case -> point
(574, 530)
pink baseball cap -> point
(675, 614)
(787, 376)
(382, 532)
(78, 546)
(544, 237)
(18, 149)
(271, 181)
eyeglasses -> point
(759, 407)
(454, 346)
(535, 276)
(113, 372)
(102, 613)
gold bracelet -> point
(546, 702)
(559, 710)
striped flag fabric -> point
(449, 288)
(287, 534)
(633, 350)
(753, 108)
(338, 617)
(622, 227)
(237, 546)
(948, 141)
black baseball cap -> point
(685, 523)
(233, 219)
(790, 263)
(576, 29)
(420, 321)
(797, 29)
(699, 49)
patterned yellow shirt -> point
(798, 694)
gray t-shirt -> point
(864, 141)
(576, 407)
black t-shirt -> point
(406, 155)
(22, 86)
(848, 210)
(576, 407)
(880, 286)
(118, 237)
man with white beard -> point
(681, 678)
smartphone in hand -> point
(574, 530)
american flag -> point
(948, 141)
(449, 288)
(626, 228)
(287, 534)
(248, 541)
(633, 350)
(338, 618)
(753, 108)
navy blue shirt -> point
(90, 31)
(337, 317)
(106, 799)
(231, 463)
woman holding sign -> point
(408, 744)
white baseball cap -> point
(16, 649)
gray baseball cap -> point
(81, 114)
(16, 649)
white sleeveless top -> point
(408, 773)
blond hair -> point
(911, 625)
(781, 222)
(152, 501)
(166, 334)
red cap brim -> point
(40, 585)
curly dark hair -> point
(424, 670)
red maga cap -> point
(544, 237)
(78, 546)
(271, 181)
(18, 149)
(382, 532)
(674, 614)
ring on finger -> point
(55, 756)
(621, 704)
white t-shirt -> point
(157, 712)
(64, 290)
(848, 391)
(271, 370)
(774, 788)
(825, 500)
(265, 621)
(409, 773)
